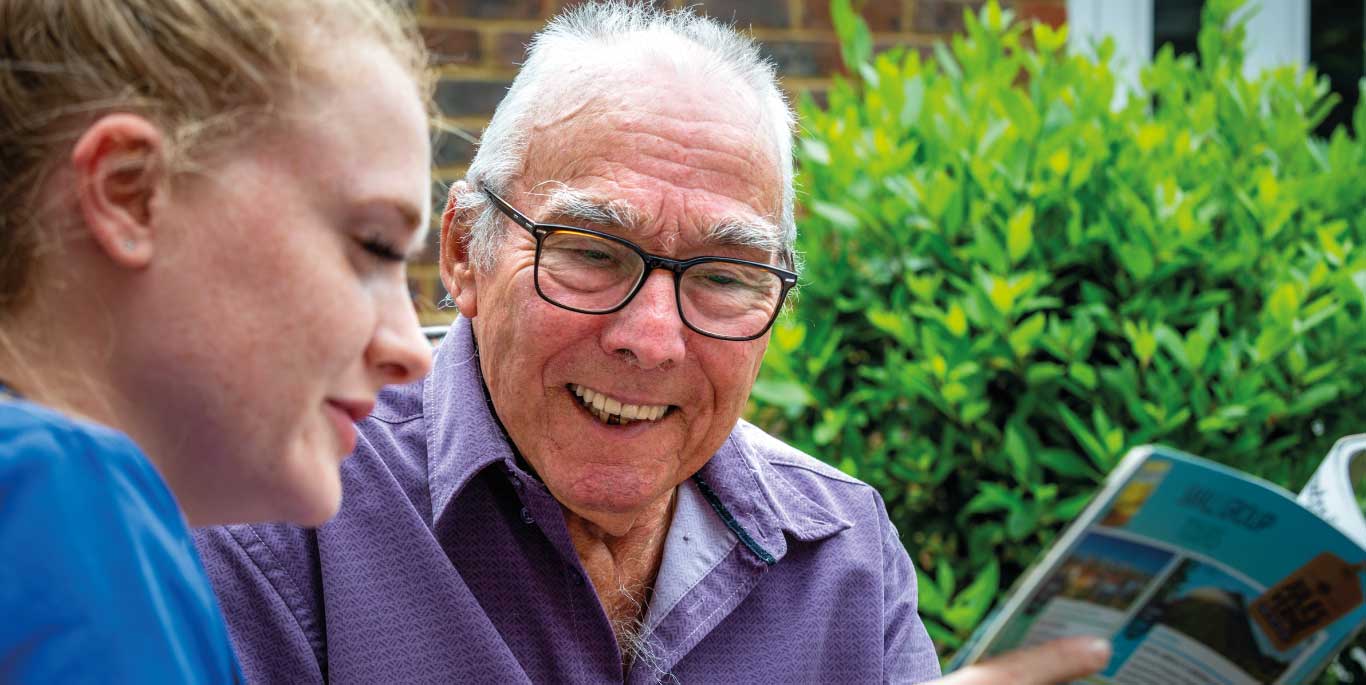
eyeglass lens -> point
(594, 274)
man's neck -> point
(623, 567)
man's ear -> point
(457, 271)
(119, 167)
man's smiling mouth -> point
(612, 412)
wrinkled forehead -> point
(665, 140)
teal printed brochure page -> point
(1198, 574)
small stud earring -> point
(129, 245)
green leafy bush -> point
(1011, 280)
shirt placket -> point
(540, 510)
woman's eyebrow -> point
(403, 214)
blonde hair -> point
(205, 71)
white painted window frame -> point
(1277, 31)
(1277, 34)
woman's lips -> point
(344, 415)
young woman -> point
(205, 208)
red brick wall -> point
(477, 44)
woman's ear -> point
(457, 271)
(119, 168)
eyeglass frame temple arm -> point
(511, 212)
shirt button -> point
(526, 516)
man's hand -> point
(1059, 661)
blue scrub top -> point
(99, 578)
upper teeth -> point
(606, 407)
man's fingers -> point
(1059, 661)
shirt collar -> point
(464, 438)
(764, 502)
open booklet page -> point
(1329, 492)
(1199, 575)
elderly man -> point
(571, 496)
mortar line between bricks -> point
(437, 21)
(476, 72)
(468, 123)
(765, 35)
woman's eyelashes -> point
(381, 249)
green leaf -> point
(789, 395)
(1083, 373)
(856, 43)
(1025, 335)
(992, 497)
(954, 392)
(1314, 398)
(913, 94)
(1137, 260)
(1020, 233)
(1047, 39)
(972, 603)
(896, 324)
(815, 151)
(826, 431)
(1065, 463)
(991, 16)
(956, 320)
(1021, 522)
(788, 335)
(972, 411)
(839, 216)
(1271, 342)
(1070, 508)
(1000, 294)
(1143, 341)
(1197, 348)
(1083, 435)
(1018, 453)
(1043, 372)
(1172, 342)
(931, 598)
(1284, 304)
(944, 578)
(946, 61)
(987, 248)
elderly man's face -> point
(683, 157)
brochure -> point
(1200, 574)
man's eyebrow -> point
(580, 207)
(759, 234)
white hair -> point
(569, 40)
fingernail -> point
(1099, 649)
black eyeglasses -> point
(591, 272)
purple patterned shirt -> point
(449, 562)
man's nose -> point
(649, 328)
(398, 351)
